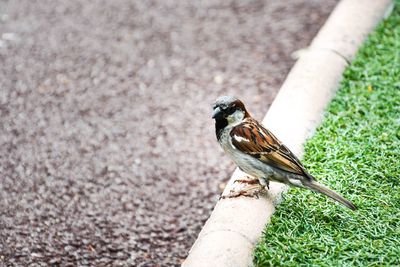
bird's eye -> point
(231, 110)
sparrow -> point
(257, 152)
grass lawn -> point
(355, 151)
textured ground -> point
(107, 149)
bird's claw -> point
(247, 181)
(233, 194)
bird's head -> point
(229, 109)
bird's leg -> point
(251, 191)
(264, 182)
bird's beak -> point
(216, 112)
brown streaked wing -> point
(255, 140)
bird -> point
(258, 153)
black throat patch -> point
(220, 124)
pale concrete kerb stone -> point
(339, 33)
(235, 226)
(299, 106)
(236, 245)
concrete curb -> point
(235, 226)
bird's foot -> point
(245, 193)
(244, 181)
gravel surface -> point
(107, 149)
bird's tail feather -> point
(317, 187)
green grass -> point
(355, 151)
